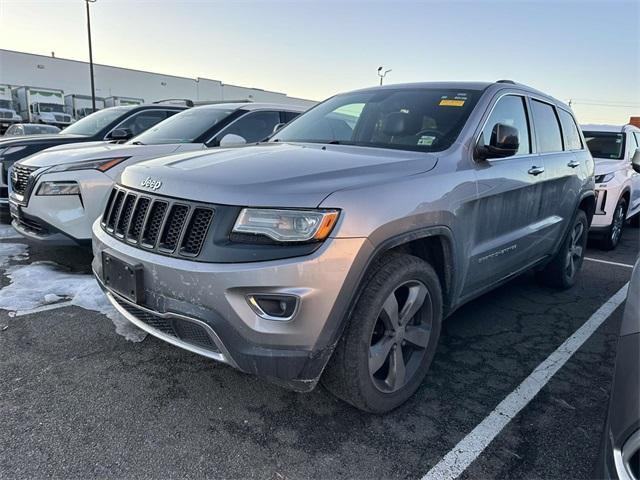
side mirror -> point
(635, 160)
(504, 142)
(120, 134)
(277, 127)
(232, 140)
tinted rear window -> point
(547, 127)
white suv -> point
(616, 151)
(55, 195)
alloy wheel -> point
(576, 249)
(616, 228)
(400, 336)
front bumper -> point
(61, 216)
(292, 353)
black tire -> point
(352, 373)
(562, 270)
(611, 238)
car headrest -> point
(401, 124)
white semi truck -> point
(41, 105)
(8, 114)
(79, 106)
(122, 101)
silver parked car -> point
(336, 248)
(21, 129)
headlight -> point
(604, 178)
(286, 225)
(58, 188)
(102, 164)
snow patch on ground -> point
(7, 231)
(43, 283)
(12, 251)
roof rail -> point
(217, 102)
(176, 101)
(506, 81)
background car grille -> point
(188, 332)
(20, 178)
(6, 115)
(167, 226)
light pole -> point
(382, 74)
(93, 88)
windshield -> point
(605, 144)
(183, 127)
(92, 124)
(421, 119)
(6, 104)
(50, 107)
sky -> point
(585, 51)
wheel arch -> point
(587, 204)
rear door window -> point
(288, 116)
(572, 140)
(547, 127)
(253, 127)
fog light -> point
(274, 307)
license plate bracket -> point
(122, 277)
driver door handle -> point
(573, 164)
(536, 170)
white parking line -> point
(44, 308)
(470, 447)
(608, 262)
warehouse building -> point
(72, 76)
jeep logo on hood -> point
(151, 184)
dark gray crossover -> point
(336, 249)
(620, 447)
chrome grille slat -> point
(138, 218)
(125, 215)
(154, 224)
(20, 178)
(115, 210)
(173, 227)
(192, 241)
(161, 224)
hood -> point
(51, 139)
(67, 146)
(604, 166)
(10, 111)
(275, 174)
(61, 155)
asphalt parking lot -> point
(77, 399)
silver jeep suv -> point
(336, 248)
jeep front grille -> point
(21, 178)
(161, 224)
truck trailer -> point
(8, 114)
(122, 101)
(41, 105)
(79, 106)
